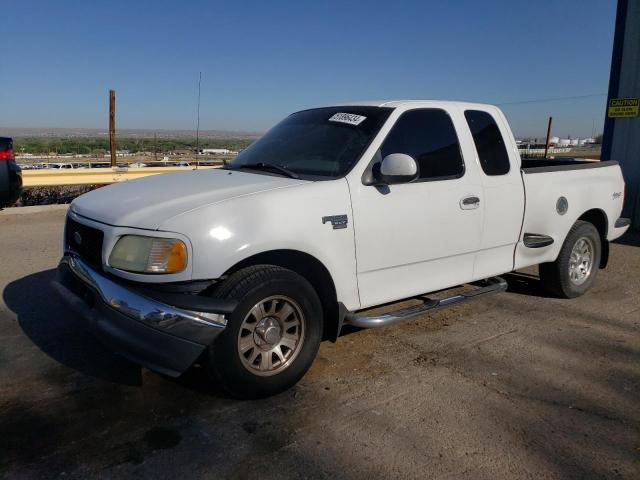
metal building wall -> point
(621, 138)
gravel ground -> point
(516, 385)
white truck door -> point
(497, 155)
(421, 236)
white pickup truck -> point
(245, 269)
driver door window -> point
(428, 135)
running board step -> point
(492, 285)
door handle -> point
(469, 203)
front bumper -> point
(149, 332)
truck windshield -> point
(323, 143)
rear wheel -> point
(272, 337)
(575, 269)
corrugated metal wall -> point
(622, 135)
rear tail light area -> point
(6, 154)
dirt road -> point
(517, 385)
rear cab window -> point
(490, 146)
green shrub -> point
(51, 195)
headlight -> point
(134, 253)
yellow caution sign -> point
(623, 107)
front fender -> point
(226, 233)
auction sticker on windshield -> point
(349, 118)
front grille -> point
(85, 241)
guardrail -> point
(95, 176)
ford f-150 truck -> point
(334, 211)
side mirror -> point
(398, 168)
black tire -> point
(251, 286)
(555, 276)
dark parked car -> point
(10, 176)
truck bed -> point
(582, 186)
(534, 165)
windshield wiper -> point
(269, 166)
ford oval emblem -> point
(77, 237)
(562, 205)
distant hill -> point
(17, 132)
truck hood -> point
(149, 201)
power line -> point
(553, 99)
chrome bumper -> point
(160, 336)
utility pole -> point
(198, 121)
(155, 147)
(112, 126)
(546, 145)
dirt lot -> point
(513, 386)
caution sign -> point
(623, 107)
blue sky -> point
(262, 60)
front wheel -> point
(273, 335)
(575, 269)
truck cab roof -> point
(412, 103)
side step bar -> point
(491, 285)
